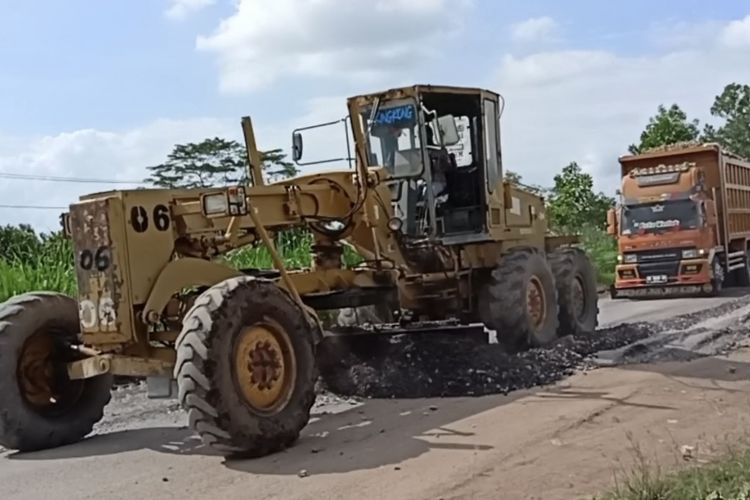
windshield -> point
(660, 217)
(393, 139)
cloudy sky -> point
(100, 90)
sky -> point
(100, 90)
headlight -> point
(214, 204)
(630, 258)
(690, 253)
(395, 224)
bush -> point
(602, 249)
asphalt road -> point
(613, 312)
(553, 443)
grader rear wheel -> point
(245, 367)
(40, 407)
(519, 300)
(577, 296)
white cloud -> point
(90, 154)
(356, 39)
(589, 105)
(737, 34)
(535, 30)
(180, 9)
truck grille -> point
(648, 256)
(659, 268)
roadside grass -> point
(725, 478)
(28, 263)
(48, 266)
(602, 249)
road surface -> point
(612, 312)
(556, 442)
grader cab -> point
(447, 245)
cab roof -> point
(419, 88)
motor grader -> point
(446, 246)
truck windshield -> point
(393, 141)
(659, 217)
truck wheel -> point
(40, 407)
(245, 367)
(741, 277)
(717, 279)
(519, 301)
(577, 297)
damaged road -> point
(553, 423)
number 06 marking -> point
(140, 220)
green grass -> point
(728, 478)
(49, 266)
(48, 269)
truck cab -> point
(671, 223)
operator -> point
(439, 164)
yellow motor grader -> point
(446, 245)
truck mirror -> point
(296, 146)
(448, 130)
(611, 222)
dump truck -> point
(682, 222)
(446, 246)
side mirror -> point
(296, 146)
(611, 222)
(448, 130)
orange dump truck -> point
(682, 222)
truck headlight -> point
(630, 258)
(690, 253)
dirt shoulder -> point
(577, 438)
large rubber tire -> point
(718, 278)
(207, 380)
(741, 277)
(577, 296)
(504, 300)
(41, 326)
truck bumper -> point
(668, 278)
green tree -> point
(573, 205)
(668, 126)
(214, 162)
(733, 106)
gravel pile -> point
(434, 365)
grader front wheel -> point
(245, 367)
(40, 407)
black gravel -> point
(434, 365)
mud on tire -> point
(40, 407)
(577, 296)
(504, 301)
(211, 387)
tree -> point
(668, 126)
(732, 105)
(214, 162)
(572, 203)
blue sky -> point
(102, 89)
